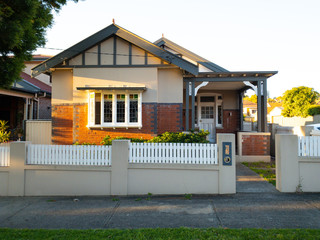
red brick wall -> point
(169, 117)
(231, 122)
(62, 123)
(83, 134)
(70, 123)
(256, 145)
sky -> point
(246, 35)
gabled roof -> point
(114, 30)
(41, 85)
(192, 56)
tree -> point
(253, 98)
(23, 25)
(297, 101)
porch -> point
(213, 101)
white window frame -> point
(114, 124)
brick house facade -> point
(118, 84)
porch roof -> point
(231, 76)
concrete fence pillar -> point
(287, 166)
(119, 174)
(18, 156)
(227, 170)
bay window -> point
(114, 109)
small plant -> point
(138, 199)
(188, 196)
(149, 197)
(299, 186)
(115, 199)
(4, 134)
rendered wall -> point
(122, 178)
(67, 182)
(197, 180)
(294, 173)
(116, 77)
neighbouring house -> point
(274, 110)
(250, 110)
(119, 84)
(27, 98)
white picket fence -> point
(4, 155)
(175, 153)
(309, 146)
(69, 155)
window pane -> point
(97, 108)
(219, 114)
(207, 112)
(107, 108)
(133, 108)
(207, 99)
(120, 108)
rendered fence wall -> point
(122, 178)
(38, 132)
(297, 164)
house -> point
(119, 84)
(28, 98)
(250, 109)
(274, 110)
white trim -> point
(114, 123)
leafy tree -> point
(298, 100)
(253, 98)
(23, 25)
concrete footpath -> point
(251, 207)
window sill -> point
(113, 126)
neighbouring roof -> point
(273, 106)
(38, 58)
(249, 104)
(28, 84)
(114, 30)
(169, 45)
(41, 85)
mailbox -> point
(227, 153)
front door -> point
(206, 116)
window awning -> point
(114, 88)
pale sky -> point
(239, 35)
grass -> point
(161, 233)
(264, 169)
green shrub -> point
(179, 137)
(4, 134)
(314, 110)
(107, 140)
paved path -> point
(250, 182)
(251, 207)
